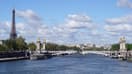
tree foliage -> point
(56, 47)
(17, 44)
(21, 44)
(115, 47)
(32, 46)
(129, 46)
(3, 48)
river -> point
(71, 64)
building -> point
(13, 34)
(107, 46)
(86, 46)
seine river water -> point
(73, 64)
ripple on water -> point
(73, 64)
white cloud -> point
(118, 28)
(30, 17)
(120, 20)
(124, 3)
(78, 21)
(79, 17)
(121, 26)
(95, 32)
(33, 25)
(28, 14)
(113, 33)
(31, 28)
(4, 30)
(76, 28)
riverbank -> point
(18, 55)
(13, 59)
(13, 56)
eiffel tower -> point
(13, 34)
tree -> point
(32, 46)
(62, 47)
(51, 46)
(74, 48)
(21, 44)
(115, 47)
(129, 46)
(18, 44)
(3, 48)
(10, 44)
(56, 47)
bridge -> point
(105, 53)
(112, 54)
(62, 52)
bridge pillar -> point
(44, 45)
(122, 44)
(122, 51)
(38, 45)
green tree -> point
(129, 46)
(51, 46)
(56, 47)
(3, 48)
(21, 44)
(115, 47)
(62, 47)
(15, 44)
(32, 46)
(10, 44)
(74, 48)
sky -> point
(68, 21)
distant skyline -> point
(68, 21)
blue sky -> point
(57, 10)
(68, 21)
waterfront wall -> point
(10, 54)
